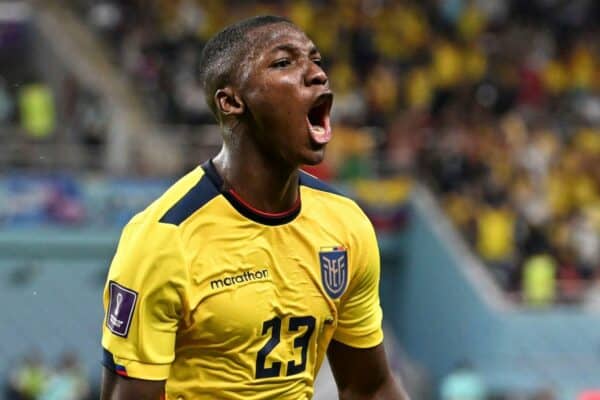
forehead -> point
(272, 37)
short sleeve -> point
(144, 302)
(360, 315)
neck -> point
(262, 183)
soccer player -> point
(237, 281)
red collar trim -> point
(293, 210)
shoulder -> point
(185, 197)
(312, 182)
(331, 203)
(182, 199)
(157, 226)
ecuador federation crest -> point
(334, 270)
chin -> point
(315, 157)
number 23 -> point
(302, 341)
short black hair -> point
(221, 54)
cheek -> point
(274, 105)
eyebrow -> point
(293, 49)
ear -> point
(228, 102)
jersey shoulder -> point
(312, 182)
(152, 237)
(331, 203)
(182, 199)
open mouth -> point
(318, 119)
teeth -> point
(318, 130)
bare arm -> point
(115, 387)
(363, 374)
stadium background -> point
(468, 129)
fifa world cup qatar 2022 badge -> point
(120, 308)
(334, 270)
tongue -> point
(320, 134)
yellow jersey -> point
(227, 302)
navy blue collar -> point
(246, 209)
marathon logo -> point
(247, 276)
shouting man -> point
(238, 281)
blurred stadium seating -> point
(468, 129)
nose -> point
(315, 75)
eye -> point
(282, 63)
(318, 62)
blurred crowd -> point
(32, 379)
(48, 119)
(494, 103)
(33, 126)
